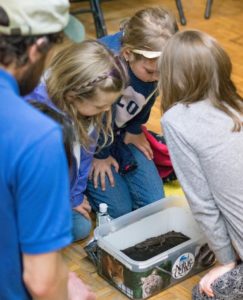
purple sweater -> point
(79, 176)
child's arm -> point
(212, 275)
(104, 162)
(78, 200)
(134, 134)
(205, 211)
(195, 185)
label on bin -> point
(183, 265)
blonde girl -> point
(203, 129)
(82, 82)
(124, 174)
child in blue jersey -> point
(82, 82)
(124, 175)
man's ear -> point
(37, 50)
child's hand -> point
(84, 208)
(140, 141)
(210, 277)
(77, 290)
(102, 168)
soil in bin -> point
(155, 245)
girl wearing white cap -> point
(124, 174)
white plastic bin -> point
(142, 279)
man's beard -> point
(31, 77)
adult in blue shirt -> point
(35, 214)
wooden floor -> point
(226, 25)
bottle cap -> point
(103, 207)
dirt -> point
(155, 245)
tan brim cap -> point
(39, 17)
(148, 54)
(74, 30)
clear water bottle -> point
(102, 215)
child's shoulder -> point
(188, 116)
(175, 116)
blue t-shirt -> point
(35, 214)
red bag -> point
(161, 155)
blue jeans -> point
(81, 226)
(131, 191)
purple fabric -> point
(78, 177)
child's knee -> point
(119, 211)
(81, 228)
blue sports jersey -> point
(134, 106)
(35, 214)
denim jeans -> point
(131, 191)
(81, 226)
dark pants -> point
(227, 287)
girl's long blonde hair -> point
(194, 67)
(84, 69)
(149, 29)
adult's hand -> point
(77, 290)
